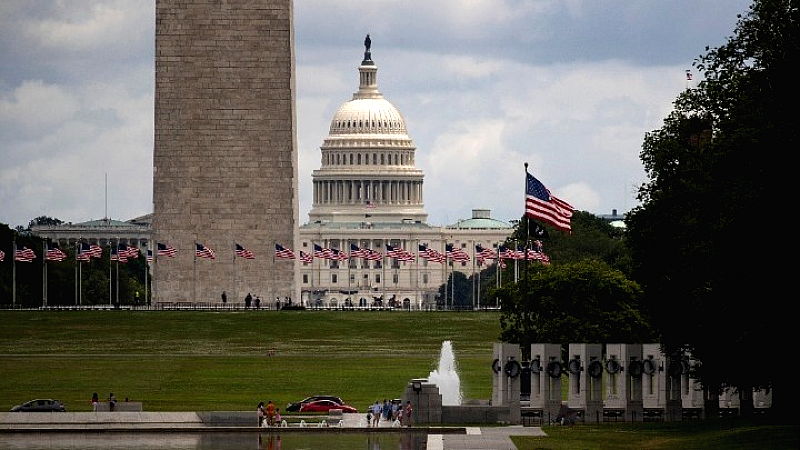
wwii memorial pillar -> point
(225, 159)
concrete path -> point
(489, 438)
(439, 438)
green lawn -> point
(706, 435)
(201, 361)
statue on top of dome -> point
(367, 54)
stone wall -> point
(225, 158)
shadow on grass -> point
(706, 435)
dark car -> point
(326, 406)
(40, 405)
(295, 406)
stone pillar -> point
(624, 380)
(546, 372)
(585, 369)
(692, 396)
(506, 370)
(426, 402)
(659, 391)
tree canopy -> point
(713, 173)
(585, 301)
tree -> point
(44, 220)
(708, 200)
(591, 238)
(584, 301)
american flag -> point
(203, 252)
(324, 253)
(89, 251)
(431, 254)
(54, 253)
(282, 252)
(2, 255)
(119, 255)
(356, 252)
(372, 255)
(365, 253)
(506, 253)
(456, 254)
(165, 250)
(131, 252)
(484, 253)
(81, 255)
(24, 255)
(338, 255)
(306, 258)
(540, 204)
(398, 253)
(244, 253)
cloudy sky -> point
(568, 86)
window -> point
(305, 278)
(334, 278)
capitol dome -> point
(368, 115)
(368, 171)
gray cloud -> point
(569, 86)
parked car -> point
(326, 406)
(40, 405)
(295, 406)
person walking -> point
(387, 409)
(270, 413)
(95, 402)
(407, 413)
(261, 413)
(376, 413)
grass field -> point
(202, 361)
(706, 435)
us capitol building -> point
(368, 194)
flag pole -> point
(194, 270)
(110, 299)
(14, 274)
(44, 273)
(116, 294)
(77, 264)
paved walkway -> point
(439, 438)
(489, 438)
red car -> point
(325, 406)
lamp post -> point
(416, 386)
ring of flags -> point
(122, 253)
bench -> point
(653, 415)
(692, 413)
(532, 417)
(613, 414)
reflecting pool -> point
(213, 440)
